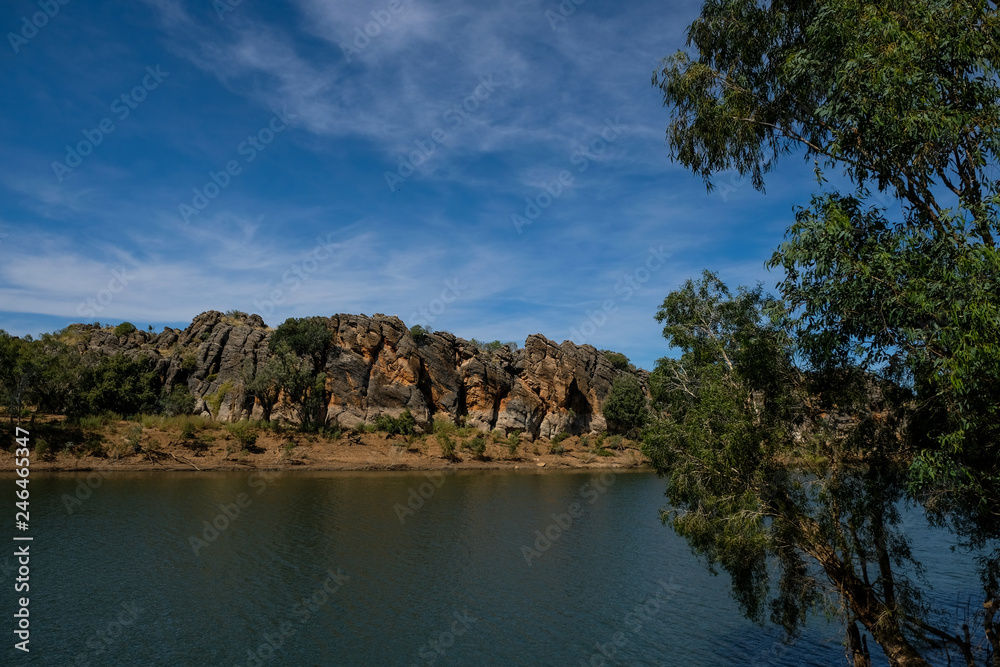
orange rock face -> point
(374, 366)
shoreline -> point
(129, 446)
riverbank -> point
(195, 444)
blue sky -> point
(310, 157)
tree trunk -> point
(857, 646)
(991, 607)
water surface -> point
(383, 569)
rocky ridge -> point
(374, 366)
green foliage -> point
(307, 337)
(556, 446)
(238, 315)
(477, 446)
(124, 329)
(244, 433)
(188, 430)
(189, 362)
(447, 446)
(215, 400)
(901, 97)
(618, 360)
(405, 424)
(418, 333)
(625, 405)
(513, 442)
(118, 384)
(444, 426)
(921, 310)
(180, 401)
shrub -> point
(555, 447)
(188, 430)
(418, 333)
(124, 329)
(179, 401)
(405, 424)
(444, 426)
(513, 442)
(559, 438)
(447, 447)
(617, 359)
(625, 405)
(244, 433)
(117, 384)
(215, 400)
(236, 315)
(477, 446)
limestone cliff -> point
(374, 366)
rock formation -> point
(374, 366)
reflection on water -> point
(481, 568)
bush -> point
(405, 424)
(116, 384)
(625, 405)
(447, 447)
(444, 426)
(179, 401)
(188, 430)
(477, 446)
(124, 329)
(617, 359)
(418, 333)
(306, 337)
(513, 442)
(244, 433)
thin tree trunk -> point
(991, 629)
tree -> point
(766, 488)
(306, 337)
(118, 384)
(902, 98)
(625, 405)
(124, 329)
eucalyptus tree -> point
(892, 292)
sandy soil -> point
(120, 446)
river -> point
(402, 568)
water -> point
(337, 569)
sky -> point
(492, 169)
